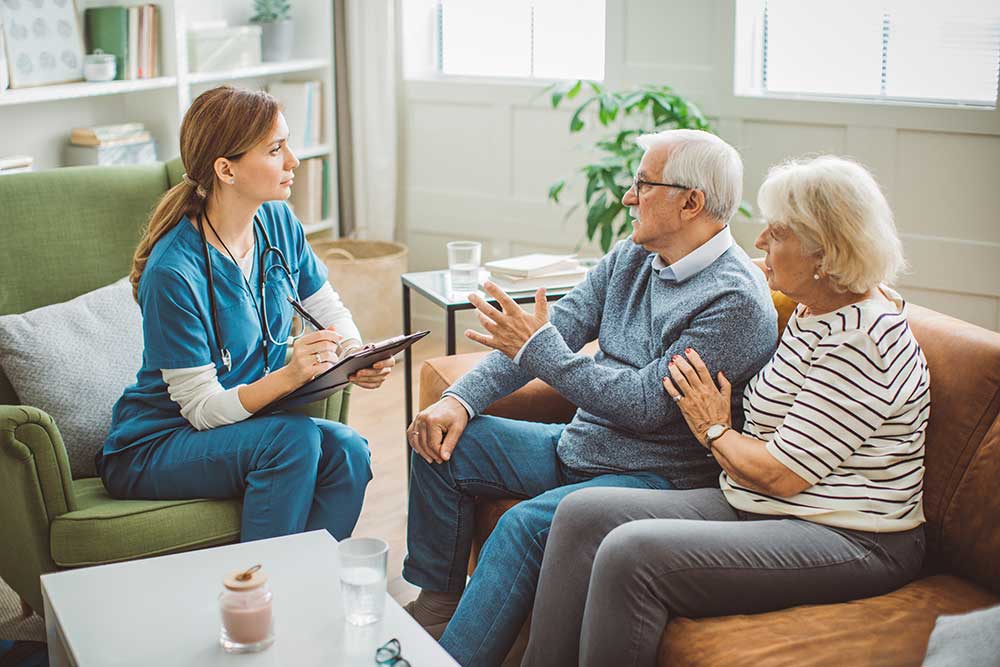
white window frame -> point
(749, 44)
(433, 66)
(828, 111)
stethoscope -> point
(263, 270)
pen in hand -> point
(311, 320)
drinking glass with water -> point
(464, 258)
(363, 562)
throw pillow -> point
(965, 639)
(73, 360)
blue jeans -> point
(495, 458)
(294, 473)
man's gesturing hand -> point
(435, 430)
(511, 327)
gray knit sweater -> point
(625, 421)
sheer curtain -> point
(368, 88)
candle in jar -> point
(247, 618)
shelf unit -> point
(264, 69)
(70, 91)
(37, 121)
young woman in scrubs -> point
(186, 428)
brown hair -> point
(222, 122)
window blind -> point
(882, 49)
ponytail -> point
(185, 198)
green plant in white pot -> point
(277, 29)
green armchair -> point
(67, 232)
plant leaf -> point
(625, 134)
(576, 122)
(609, 182)
(607, 236)
(592, 183)
(570, 211)
(596, 211)
(606, 224)
(555, 189)
(575, 90)
(746, 209)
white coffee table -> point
(164, 611)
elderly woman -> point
(820, 497)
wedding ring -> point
(319, 359)
(677, 398)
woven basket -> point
(366, 276)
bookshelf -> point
(70, 91)
(37, 121)
(264, 69)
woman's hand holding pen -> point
(313, 353)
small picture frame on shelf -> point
(43, 42)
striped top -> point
(844, 404)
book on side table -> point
(551, 281)
(532, 266)
(529, 272)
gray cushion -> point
(965, 639)
(73, 360)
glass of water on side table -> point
(464, 258)
(363, 562)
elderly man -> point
(679, 282)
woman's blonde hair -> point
(836, 209)
(222, 122)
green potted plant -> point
(277, 29)
(626, 114)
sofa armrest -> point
(535, 401)
(37, 487)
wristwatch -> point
(714, 432)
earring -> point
(815, 276)
(232, 181)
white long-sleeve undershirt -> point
(203, 400)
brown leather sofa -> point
(961, 501)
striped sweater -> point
(844, 404)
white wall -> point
(479, 157)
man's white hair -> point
(702, 161)
(837, 210)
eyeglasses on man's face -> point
(642, 186)
(390, 654)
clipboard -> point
(335, 378)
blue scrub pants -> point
(494, 458)
(295, 473)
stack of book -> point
(309, 199)
(529, 272)
(131, 34)
(14, 164)
(128, 143)
(301, 103)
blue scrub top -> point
(177, 326)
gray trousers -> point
(620, 563)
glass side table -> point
(435, 286)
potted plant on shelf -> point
(277, 29)
(627, 114)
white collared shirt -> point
(696, 260)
